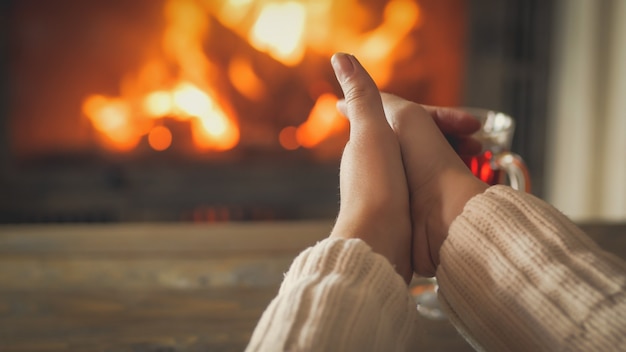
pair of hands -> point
(401, 182)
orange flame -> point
(323, 121)
(181, 84)
(376, 47)
(111, 117)
(279, 31)
(147, 98)
(245, 80)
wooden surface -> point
(162, 287)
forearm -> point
(338, 295)
(516, 274)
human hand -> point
(439, 182)
(374, 194)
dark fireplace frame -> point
(507, 69)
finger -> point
(453, 121)
(362, 98)
(372, 156)
(458, 124)
(371, 159)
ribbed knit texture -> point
(517, 275)
(338, 296)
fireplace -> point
(197, 110)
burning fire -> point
(183, 83)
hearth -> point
(192, 110)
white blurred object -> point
(586, 147)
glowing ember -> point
(288, 139)
(160, 138)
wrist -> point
(457, 187)
(465, 187)
(388, 236)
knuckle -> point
(356, 93)
(404, 115)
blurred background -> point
(163, 161)
(216, 111)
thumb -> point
(363, 104)
(374, 195)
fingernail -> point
(342, 65)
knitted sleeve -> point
(517, 275)
(338, 296)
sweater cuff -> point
(350, 258)
(333, 293)
(516, 272)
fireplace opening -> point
(197, 110)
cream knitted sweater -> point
(515, 275)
